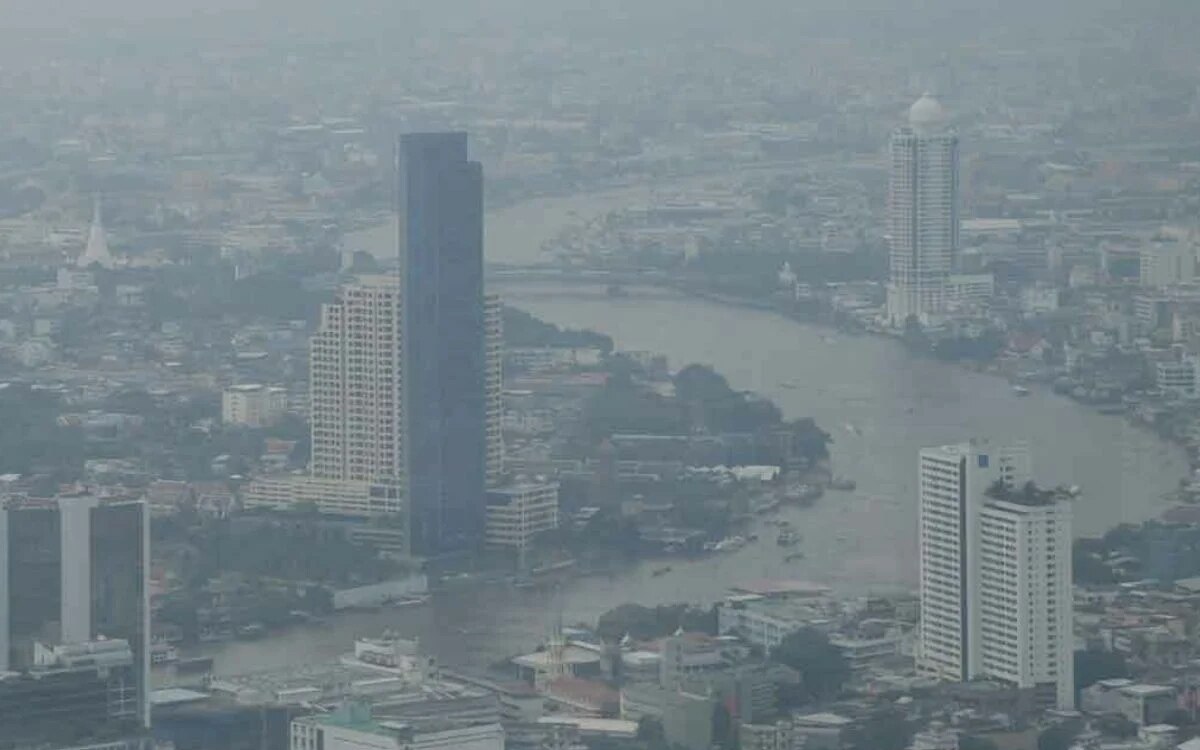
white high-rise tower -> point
(355, 385)
(1024, 614)
(922, 214)
(354, 370)
(995, 571)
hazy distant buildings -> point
(516, 514)
(351, 727)
(995, 571)
(1170, 258)
(440, 211)
(74, 619)
(253, 405)
(922, 214)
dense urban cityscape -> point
(565, 376)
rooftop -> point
(1028, 494)
(824, 719)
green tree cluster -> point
(645, 623)
(822, 666)
(524, 330)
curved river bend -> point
(879, 403)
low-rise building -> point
(518, 513)
(345, 497)
(766, 620)
(351, 727)
(822, 731)
(778, 736)
(253, 405)
(1141, 704)
(1177, 378)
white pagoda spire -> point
(96, 251)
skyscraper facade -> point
(995, 573)
(923, 217)
(1025, 605)
(493, 317)
(440, 221)
(355, 384)
(952, 479)
(74, 616)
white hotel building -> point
(995, 574)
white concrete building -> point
(518, 513)
(1177, 378)
(1168, 259)
(253, 405)
(778, 736)
(1025, 621)
(952, 478)
(995, 572)
(352, 728)
(923, 220)
(969, 290)
(493, 337)
(355, 380)
(343, 497)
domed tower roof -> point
(926, 114)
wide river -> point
(879, 403)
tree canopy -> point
(644, 623)
(821, 665)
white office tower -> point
(493, 322)
(1025, 616)
(995, 571)
(922, 214)
(355, 381)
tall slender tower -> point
(440, 238)
(922, 213)
(1025, 604)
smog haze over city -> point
(575, 375)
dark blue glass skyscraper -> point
(440, 207)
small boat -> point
(660, 571)
(794, 557)
(1020, 390)
(789, 384)
(842, 483)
